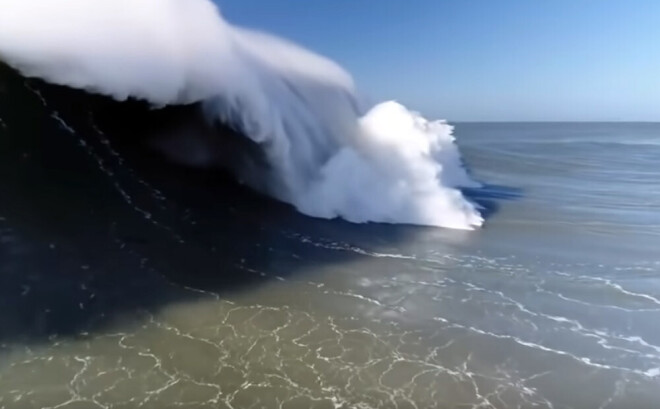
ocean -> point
(127, 281)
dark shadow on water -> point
(490, 196)
(96, 228)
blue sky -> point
(484, 59)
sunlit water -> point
(128, 283)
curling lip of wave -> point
(327, 155)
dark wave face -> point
(69, 157)
(178, 133)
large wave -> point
(327, 155)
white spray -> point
(329, 157)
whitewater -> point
(327, 153)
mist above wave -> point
(327, 155)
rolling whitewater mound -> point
(306, 137)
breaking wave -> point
(325, 152)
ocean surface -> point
(129, 282)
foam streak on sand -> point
(326, 155)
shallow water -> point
(125, 282)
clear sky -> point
(473, 60)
